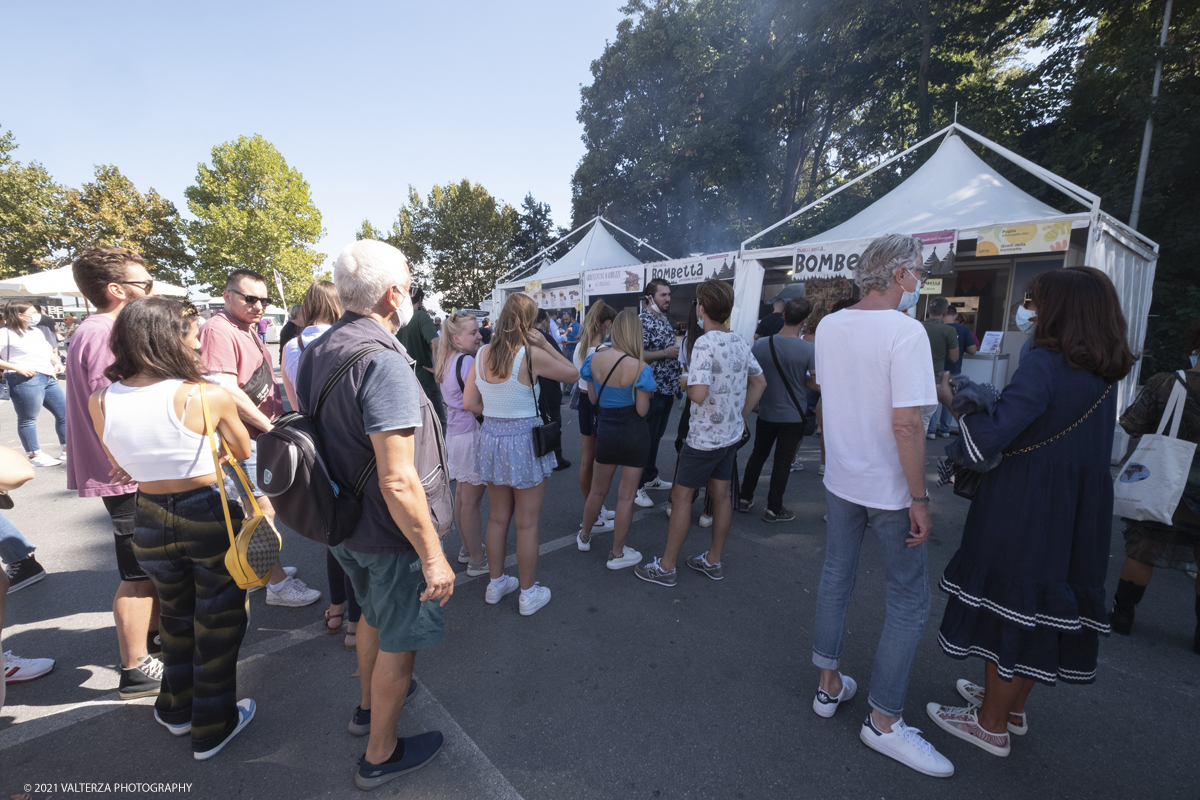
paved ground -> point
(617, 689)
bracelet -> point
(924, 499)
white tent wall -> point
(747, 289)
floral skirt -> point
(505, 453)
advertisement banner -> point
(559, 297)
(937, 251)
(1033, 237)
(614, 280)
(828, 259)
(696, 269)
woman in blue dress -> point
(1026, 586)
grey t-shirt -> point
(797, 357)
(390, 394)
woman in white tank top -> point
(151, 424)
(504, 389)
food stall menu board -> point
(990, 346)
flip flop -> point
(351, 642)
(341, 622)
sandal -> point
(351, 639)
(340, 618)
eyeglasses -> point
(189, 310)
(251, 300)
(920, 274)
(147, 286)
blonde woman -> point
(504, 390)
(453, 363)
(596, 327)
(619, 385)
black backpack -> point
(293, 473)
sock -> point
(528, 592)
(499, 582)
(398, 753)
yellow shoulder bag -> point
(254, 550)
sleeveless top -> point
(147, 439)
(509, 400)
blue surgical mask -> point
(909, 299)
(700, 325)
(1192, 358)
(1026, 320)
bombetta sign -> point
(828, 259)
(692, 270)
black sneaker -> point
(744, 506)
(562, 464)
(144, 680)
(24, 573)
(782, 515)
(415, 752)
(154, 643)
(360, 723)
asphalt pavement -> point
(616, 689)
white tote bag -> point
(1152, 480)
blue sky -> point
(364, 98)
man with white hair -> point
(394, 555)
(876, 373)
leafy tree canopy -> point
(31, 214)
(253, 211)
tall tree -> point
(111, 211)
(458, 241)
(31, 206)
(534, 230)
(253, 211)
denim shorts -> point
(622, 437)
(388, 587)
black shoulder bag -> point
(808, 423)
(547, 437)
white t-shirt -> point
(721, 361)
(868, 363)
(30, 350)
(291, 351)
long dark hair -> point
(147, 339)
(694, 331)
(1079, 316)
(13, 310)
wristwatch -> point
(924, 499)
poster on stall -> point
(937, 251)
(990, 345)
(696, 269)
(614, 280)
(1032, 237)
(828, 259)
(558, 297)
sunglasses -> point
(189, 310)
(147, 286)
(251, 300)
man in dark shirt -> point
(485, 330)
(419, 337)
(551, 390)
(943, 344)
(772, 323)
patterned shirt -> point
(723, 362)
(657, 334)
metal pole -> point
(1144, 160)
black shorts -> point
(587, 414)
(697, 467)
(121, 508)
(622, 437)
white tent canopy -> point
(598, 249)
(61, 281)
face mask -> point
(1192, 358)
(909, 299)
(653, 306)
(700, 323)
(1026, 320)
(404, 313)
(35, 318)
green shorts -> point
(388, 587)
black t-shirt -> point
(551, 391)
(770, 325)
(486, 333)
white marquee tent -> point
(957, 191)
(61, 281)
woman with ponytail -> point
(596, 327)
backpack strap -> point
(783, 377)
(328, 387)
(462, 386)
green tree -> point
(458, 241)
(253, 211)
(533, 231)
(31, 206)
(111, 211)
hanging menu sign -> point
(1034, 237)
(614, 280)
(559, 297)
(692, 270)
(828, 259)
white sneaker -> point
(287, 571)
(530, 603)
(821, 470)
(464, 555)
(931, 436)
(705, 521)
(797, 466)
(495, 592)
(603, 526)
(657, 483)
(43, 460)
(628, 558)
(606, 514)
(580, 543)
(826, 705)
(905, 745)
(643, 499)
(18, 670)
(293, 593)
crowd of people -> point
(150, 393)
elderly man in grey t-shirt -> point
(787, 362)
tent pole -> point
(869, 172)
(642, 242)
(1076, 193)
(1144, 161)
(529, 260)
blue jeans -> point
(13, 546)
(29, 395)
(907, 606)
(656, 420)
(940, 422)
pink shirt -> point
(87, 358)
(458, 421)
(226, 347)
